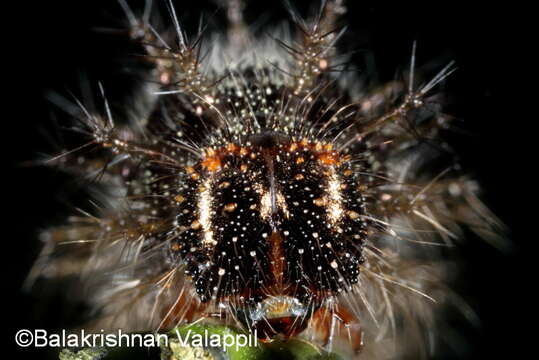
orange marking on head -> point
(232, 147)
(179, 198)
(224, 184)
(329, 158)
(212, 163)
(230, 207)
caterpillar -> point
(257, 183)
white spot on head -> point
(334, 207)
(204, 213)
(265, 204)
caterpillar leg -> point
(329, 325)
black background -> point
(48, 44)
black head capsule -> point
(279, 224)
(222, 198)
